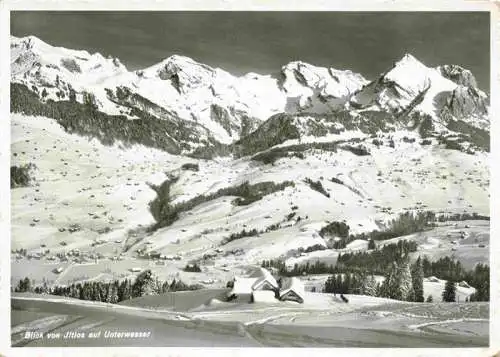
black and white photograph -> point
(250, 179)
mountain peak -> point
(53, 54)
(408, 58)
(180, 59)
(458, 74)
(298, 64)
(407, 84)
(184, 72)
(312, 76)
(29, 42)
(408, 71)
(410, 63)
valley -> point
(372, 194)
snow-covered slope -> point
(103, 190)
(410, 85)
(59, 71)
(349, 150)
(212, 97)
(318, 89)
(224, 108)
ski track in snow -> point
(444, 322)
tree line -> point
(86, 120)
(110, 292)
(353, 272)
(404, 224)
(404, 281)
(462, 217)
(165, 213)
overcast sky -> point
(262, 42)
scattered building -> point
(241, 287)
(261, 286)
(264, 296)
(58, 270)
(292, 290)
(264, 280)
(464, 284)
(244, 287)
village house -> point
(261, 286)
(292, 289)
(260, 280)
(264, 281)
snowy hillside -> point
(179, 163)
(104, 192)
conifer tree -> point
(369, 286)
(74, 291)
(72, 95)
(405, 280)
(96, 292)
(112, 295)
(418, 281)
(109, 293)
(45, 287)
(143, 284)
(103, 291)
(124, 290)
(165, 287)
(390, 286)
(449, 292)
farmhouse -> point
(242, 288)
(292, 290)
(464, 284)
(264, 296)
(261, 286)
(264, 280)
(260, 280)
(58, 270)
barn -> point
(264, 296)
(292, 290)
(244, 287)
(264, 280)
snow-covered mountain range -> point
(223, 108)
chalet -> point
(260, 280)
(154, 255)
(58, 270)
(242, 288)
(264, 296)
(264, 280)
(292, 290)
(464, 284)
